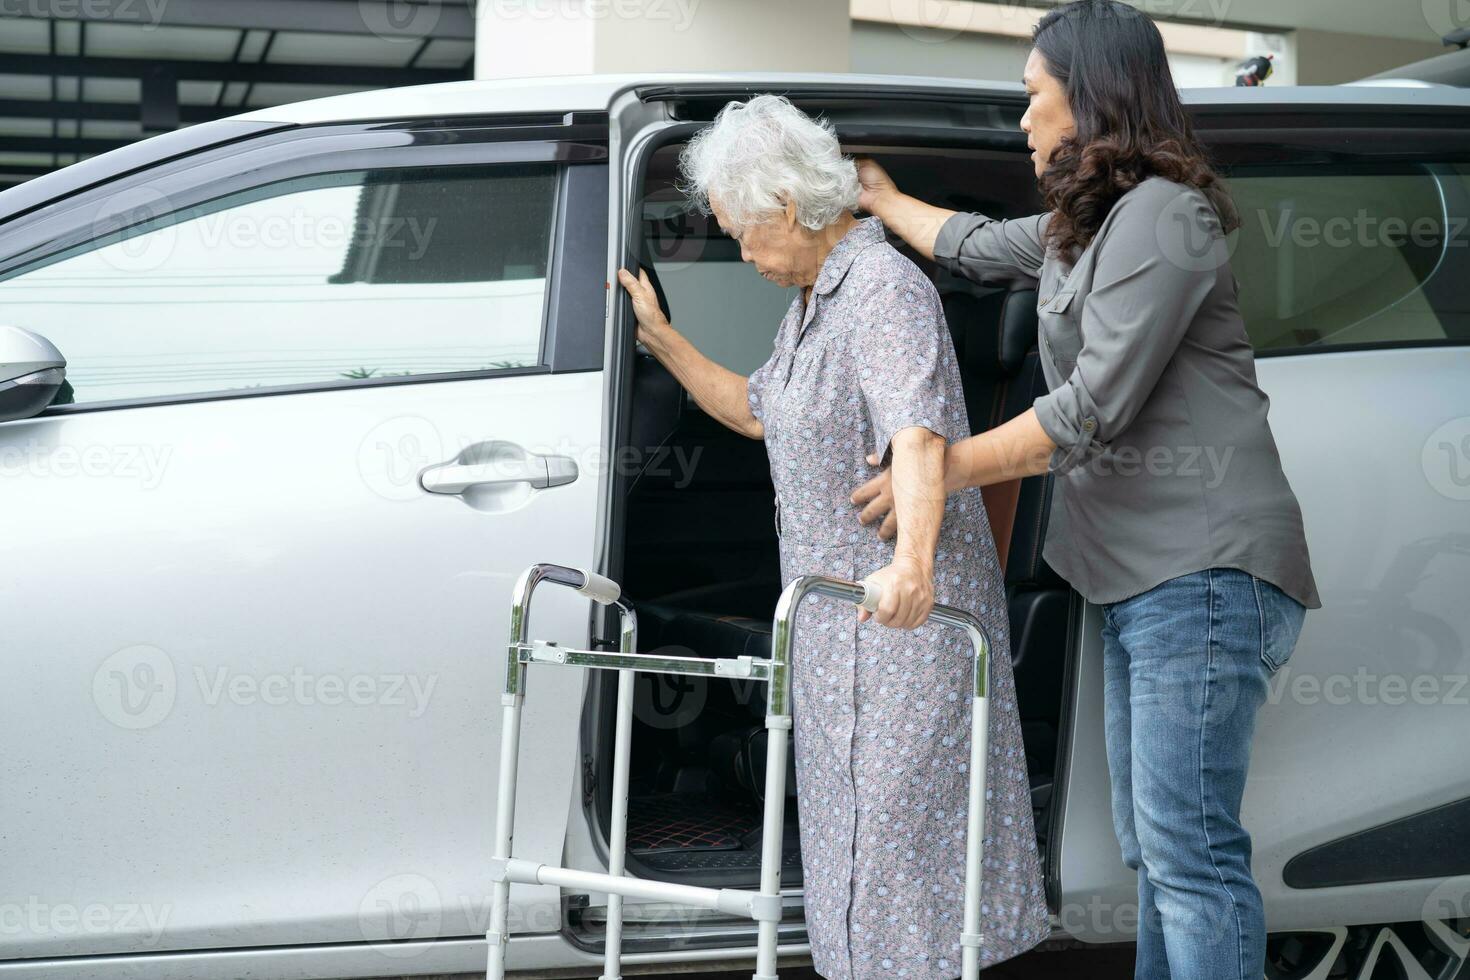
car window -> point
(331, 278)
(1328, 260)
(721, 304)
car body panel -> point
(1387, 526)
(267, 713)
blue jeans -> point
(1185, 666)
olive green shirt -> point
(1165, 463)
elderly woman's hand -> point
(645, 305)
(908, 594)
(876, 500)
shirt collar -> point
(867, 231)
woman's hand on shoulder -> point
(907, 595)
(876, 500)
(875, 183)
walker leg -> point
(777, 729)
(974, 835)
(617, 845)
(505, 808)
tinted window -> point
(1340, 259)
(355, 275)
(721, 304)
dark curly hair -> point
(1130, 124)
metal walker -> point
(763, 906)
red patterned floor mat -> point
(674, 822)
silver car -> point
(291, 398)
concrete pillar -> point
(517, 38)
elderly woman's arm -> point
(900, 353)
(722, 393)
(918, 496)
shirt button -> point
(1089, 425)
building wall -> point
(887, 49)
(1330, 57)
(563, 38)
(911, 50)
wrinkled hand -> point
(645, 304)
(875, 182)
(876, 500)
(908, 594)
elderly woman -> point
(863, 364)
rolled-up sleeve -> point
(1146, 290)
(991, 250)
(899, 353)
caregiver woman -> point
(1171, 508)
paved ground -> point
(1108, 963)
(1096, 963)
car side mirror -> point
(32, 371)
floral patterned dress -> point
(881, 716)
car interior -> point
(698, 545)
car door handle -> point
(507, 464)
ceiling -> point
(80, 77)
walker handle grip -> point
(598, 588)
(872, 593)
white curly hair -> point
(758, 152)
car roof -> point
(596, 93)
(577, 93)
